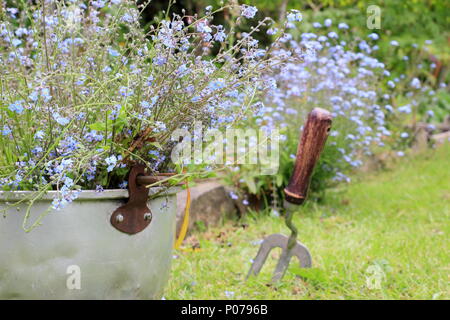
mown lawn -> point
(384, 236)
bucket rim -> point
(107, 194)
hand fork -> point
(312, 141)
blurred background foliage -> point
(421, 27)
(407, 21)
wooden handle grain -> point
(312, 141)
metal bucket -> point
(77, 254)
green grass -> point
(396, 221)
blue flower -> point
(127, 18)
(12, 12)
(328, 22)
(6, 131)
(94, 136)
(160, 126)
(16, 106)
(37, 150)
(394, 43)
(216, 84)
(16, 42)
(113, 52)
(233, 195)
(98, 4)
(389, 108)
(39, 135)
(373, 36)
(333, 35)
(159, 60)
(405, 109)
(45, 94)
(125, 92)
(115, 112)
(343, 25)
(196, 99)
(145, 104)
(272, 31)
(59, 119)
(34, 96)
(415, 83)
(294, 15)
(123, 185)
(68, 182)
(111, 162)
(59, 204)
(248, 11)
(220, 34)
(182, 70)
(203, 27)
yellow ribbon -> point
(184, 226)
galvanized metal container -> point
(77, 254)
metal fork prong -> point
(303, 255)
(282, 264)
(300, 251)
(269, 243)
(280, 241)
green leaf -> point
(155, 144)
(279, 180)
(98, 126)
(250, 181)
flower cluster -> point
(85, 91)
(338, 72)
(327, 73)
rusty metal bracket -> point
(134, 216)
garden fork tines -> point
(313, 139)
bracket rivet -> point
(148, 216)
(119, 218)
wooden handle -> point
(147, 180)
(312, 141)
